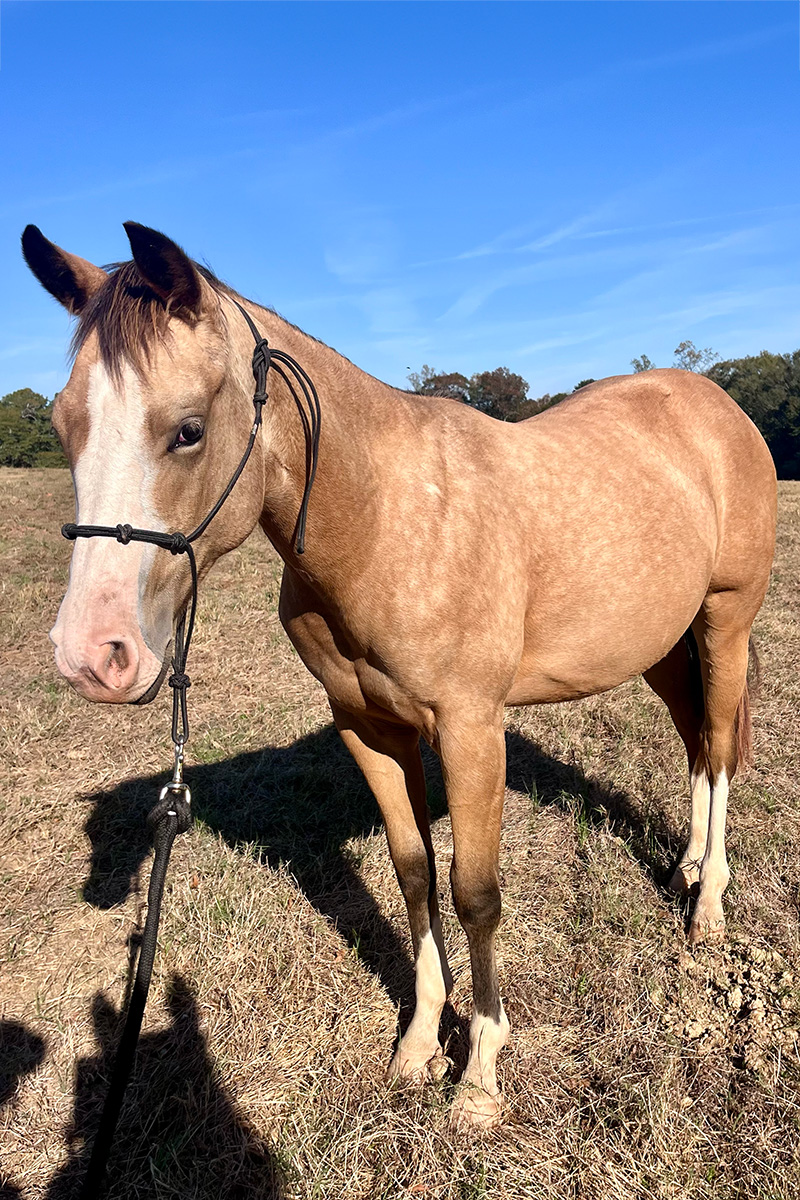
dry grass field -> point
(636, 1068)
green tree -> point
(428, 382)
(500, 393)
(642, 364)
(767, 387)
(689, 358)
(26, 435)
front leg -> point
(474, 762)
(388, 755)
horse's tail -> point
(695, 675)
(744, 724)
(743, 721)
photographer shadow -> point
(21, 1052)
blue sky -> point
(551, 187)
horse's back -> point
(666, 433)
(665, 407)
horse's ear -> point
(168, 270)
(72, 280)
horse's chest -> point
(357, 681)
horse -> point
(454, 565)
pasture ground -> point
(636, 1068)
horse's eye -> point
(189, 434)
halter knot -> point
(179, 543)
(261, 357)
(179, 680)
(124, 534)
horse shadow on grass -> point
(595, 803)
(180, 1135)
(300, 805)
(296, 806)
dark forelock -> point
(129, 318)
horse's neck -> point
(361, 420)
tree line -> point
(765, 385)
(499, 393)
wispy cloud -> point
(654, 259)
(263, 115)
(705, 51)
(405, 113)
(570, 230)
(156, 175)
(718, 218)
(32, 346)
(363, 248)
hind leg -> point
(678, 681)
(722, 631)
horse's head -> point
(153, 420)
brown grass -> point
(635, 1069)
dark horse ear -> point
(168, 270)
(72, 280)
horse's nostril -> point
(119, 656)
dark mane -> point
(129, 317)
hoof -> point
(705, 931)
(419, 1068)
(475, 1109)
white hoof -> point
(686, 876)
(475, 1109)
(706, 929)
(417, 1066)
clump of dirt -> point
(743, 997)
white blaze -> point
(114, 481)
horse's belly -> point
(579, 652)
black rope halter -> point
(171, 815)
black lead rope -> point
(171, 815)
(175, 821)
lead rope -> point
(172, 814)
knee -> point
(476, 899)
(417, 878)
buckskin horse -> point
(454, 565)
